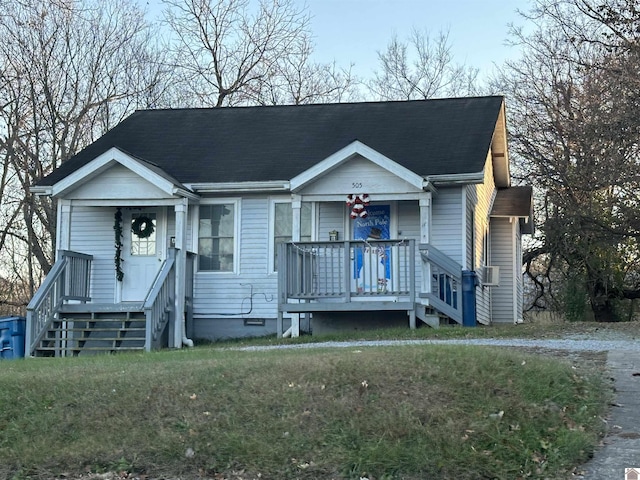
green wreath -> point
(142, 226)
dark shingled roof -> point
(235, 144)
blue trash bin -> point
(12, 337)
(469, 284)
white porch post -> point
(425, 216)
(63, 237)
(180, 268)
(296, 209)
(425, 231)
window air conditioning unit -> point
(491, 276)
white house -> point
(212, 223)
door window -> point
(143, 234)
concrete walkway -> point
(621, 447)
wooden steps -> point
(432, 317)
(79, 332)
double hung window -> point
(216, 237)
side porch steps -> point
(432, 317)
(91, 329)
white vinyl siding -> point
(446, 224)
(359, 175)
(190, 246)
(117, 182)
(251, 291)
(409, 229)
(502, 255)
(92, 233)
(281, 225)
(331, 216)
(480, 199)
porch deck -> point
(361, 276)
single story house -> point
(210, 223)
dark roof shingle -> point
(429, 137)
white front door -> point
(142, 252)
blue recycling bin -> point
(12, 332)
(469, 284)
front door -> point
(142, 252)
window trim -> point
(237, 204)
(272, 228)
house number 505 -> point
(356, 185)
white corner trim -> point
(345, 154)
(103, 162)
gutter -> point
(240, 187)
(456, 179)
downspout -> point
(187, 342)
(181, 263)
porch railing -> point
(159, 304)
(441, 282)
(347, 271)
(69, 279)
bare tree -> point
(421, 67)
(69, 71)
(575, 135)
(295, 79)
(226, 50)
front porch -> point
(367, 276)
(62, 320)
(313, 277)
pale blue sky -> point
(353, 31)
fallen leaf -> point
(497, 416)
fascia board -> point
(104, 161)
(181, 192)
(239, 187)
(456, 179)
(346, 153)
(40, 191)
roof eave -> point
(41, 190)
(240, 187)
(456, 178)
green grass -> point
(395, 412)
(541, 330)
